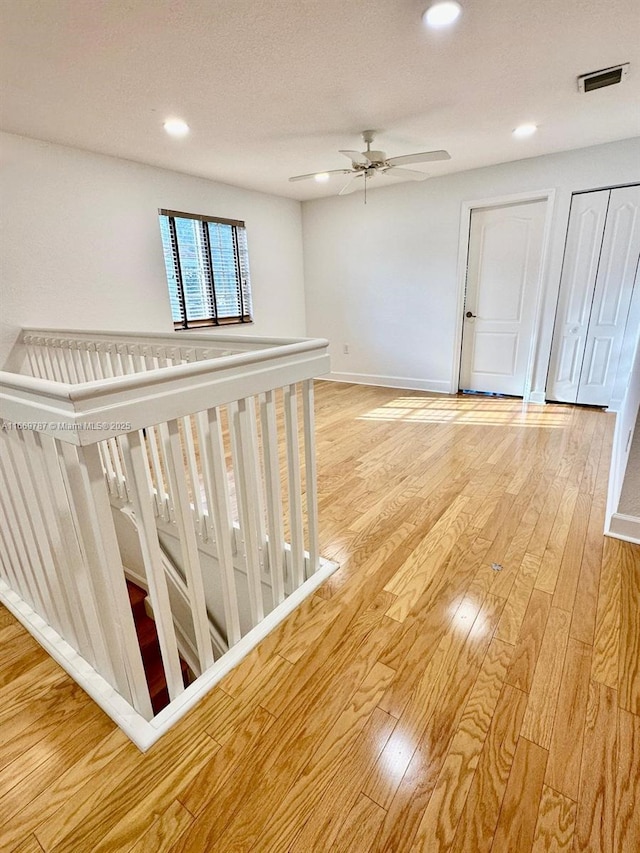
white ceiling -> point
(274, 88)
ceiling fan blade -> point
(405, 174)
(356, 183)
(356, 157)
(424, 157)
(313, 174)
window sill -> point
(212, 326)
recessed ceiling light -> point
(176, 127)
(525, 130)
(442, 14)
(321, 177)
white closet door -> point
(577, 283)
(614, 285)
(505, 251)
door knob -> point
(469, 314)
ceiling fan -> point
(366, 165)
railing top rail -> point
(176, 339)
(156, 395)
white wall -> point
(80, 243)
(383, 277)
(627, 418)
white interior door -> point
(503, 278)
(612, 297)
(577, 284)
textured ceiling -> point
(274, 88)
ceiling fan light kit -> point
(369, 163)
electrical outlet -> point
(345, 349)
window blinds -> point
(207, 266)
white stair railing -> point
(199, 441)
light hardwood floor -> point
(469, 680)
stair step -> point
(150, 648)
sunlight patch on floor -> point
(478, 412)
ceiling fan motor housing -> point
(376, 156)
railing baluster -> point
(47, 362)
(17, 517)
(74, 577)
(189, 545)
(217, 490)
(40, 521)
(108, 449)
(273, 492)
(142, 500)
(245, 461)
(194, 476)
(310, 476)
(8, 573)
(77, 361)
(100, 546)
(295, 486)
(23, 585)
(161, 495)
(54, 359)
(31, 357)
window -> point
(207, 266)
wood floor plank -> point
(360, 828)
(30, 811)
(29, 845)
(556, 823)
(516, 606)
(567, 585)
(538, 721)
(529, 641)
(546, 520)
(107, 809)
(388, 772)
(418, 495)
(165, 831)
(606, 644)
(596, 805)
(431, 615)
(414, 576)
(419, 780)
(519, 813)
(565, 749)
(56, 705)
(31, 770)
(583, 620)
(440, 820)
(325, 821)
(290, 813)
(214, 774)
(554, 552)
(627, 825)
(290, 741)
(629, 662)
(481, 811)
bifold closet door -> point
(600, 261)
(577, 284)
(611, 298)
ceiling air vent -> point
(602, 78)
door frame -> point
(547, 195)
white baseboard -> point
(436, 386)
(142, 732)
(626, 527)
